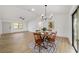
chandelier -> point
(44, 17)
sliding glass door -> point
(75, 29)
(78, 31)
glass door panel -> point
(75, 30)
(78, 30)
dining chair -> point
(51, 40)
(38, 40)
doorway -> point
(75, 29)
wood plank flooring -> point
(20, 43)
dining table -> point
(45, 37)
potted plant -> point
(44, 28)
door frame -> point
(73, 28)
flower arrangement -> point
(44, 28)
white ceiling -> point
(16, 11)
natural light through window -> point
(17, 25)
(20, 25)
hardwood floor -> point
(20, 43)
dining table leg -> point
(39, 49)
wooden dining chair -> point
(52, 37)
(38, 40)
(51, 40)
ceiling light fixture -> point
(33, 9)
(21, 18)
(44, 17)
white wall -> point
(0, 20)
(33, 25)
(6, 27)
(0, 27)
(62, 24)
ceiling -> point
(25, 11)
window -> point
(20, 25)
(17, 25)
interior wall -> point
(0, 27)
(6, 27)
(33, 25)
(0, 20)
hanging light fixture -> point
(44, 17)
(45, 12)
